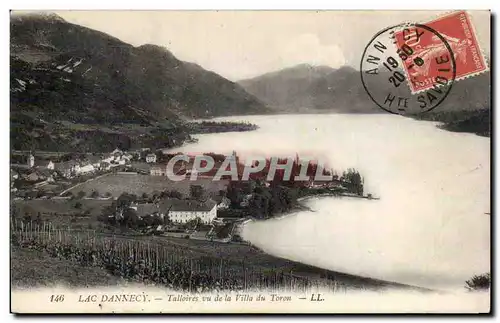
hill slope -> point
(306, 88)
(76, 88)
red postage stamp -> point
(453, 33)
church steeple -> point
(31, 160)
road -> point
(76, 185)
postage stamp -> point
(458, 32)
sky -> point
(245, 44)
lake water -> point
(429, 228)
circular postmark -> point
(408, 69)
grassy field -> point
(32, 268)
(116, 184)
(63, 213)
(50, 187)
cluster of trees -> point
(256, 199)
(353, 181)
(471, 121)
(119, 213)
(33, 194)
(215, 127)
(197, 192)
(262, 199)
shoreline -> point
(300, 208)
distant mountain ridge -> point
(62, 72)
(322, 89)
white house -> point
(182, 211)
(158, 170)
(151, 158)
(85, 169)
(45, 164)
(179, 211)
(108, 159)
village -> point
(58, 181)
(130, 190)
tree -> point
(108, 214)
(157, 220)
(108, 194)
(193, 224)
(160, 156)
(31, 194)
(353, 181)
(125, 200)
(196, 192)
(81, 194)
(166, 219)
(130, 218)
(175, 194)
(234, 193)
(38, 219)
(144, 153)
(145, 195)
(95, 194)
(479, 282)
(78, 205)
(148, 220)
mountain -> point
(72, 86)
(308, 88)
(321, 89)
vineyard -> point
(158, 264)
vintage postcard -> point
(250, 162)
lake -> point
(428, 229)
